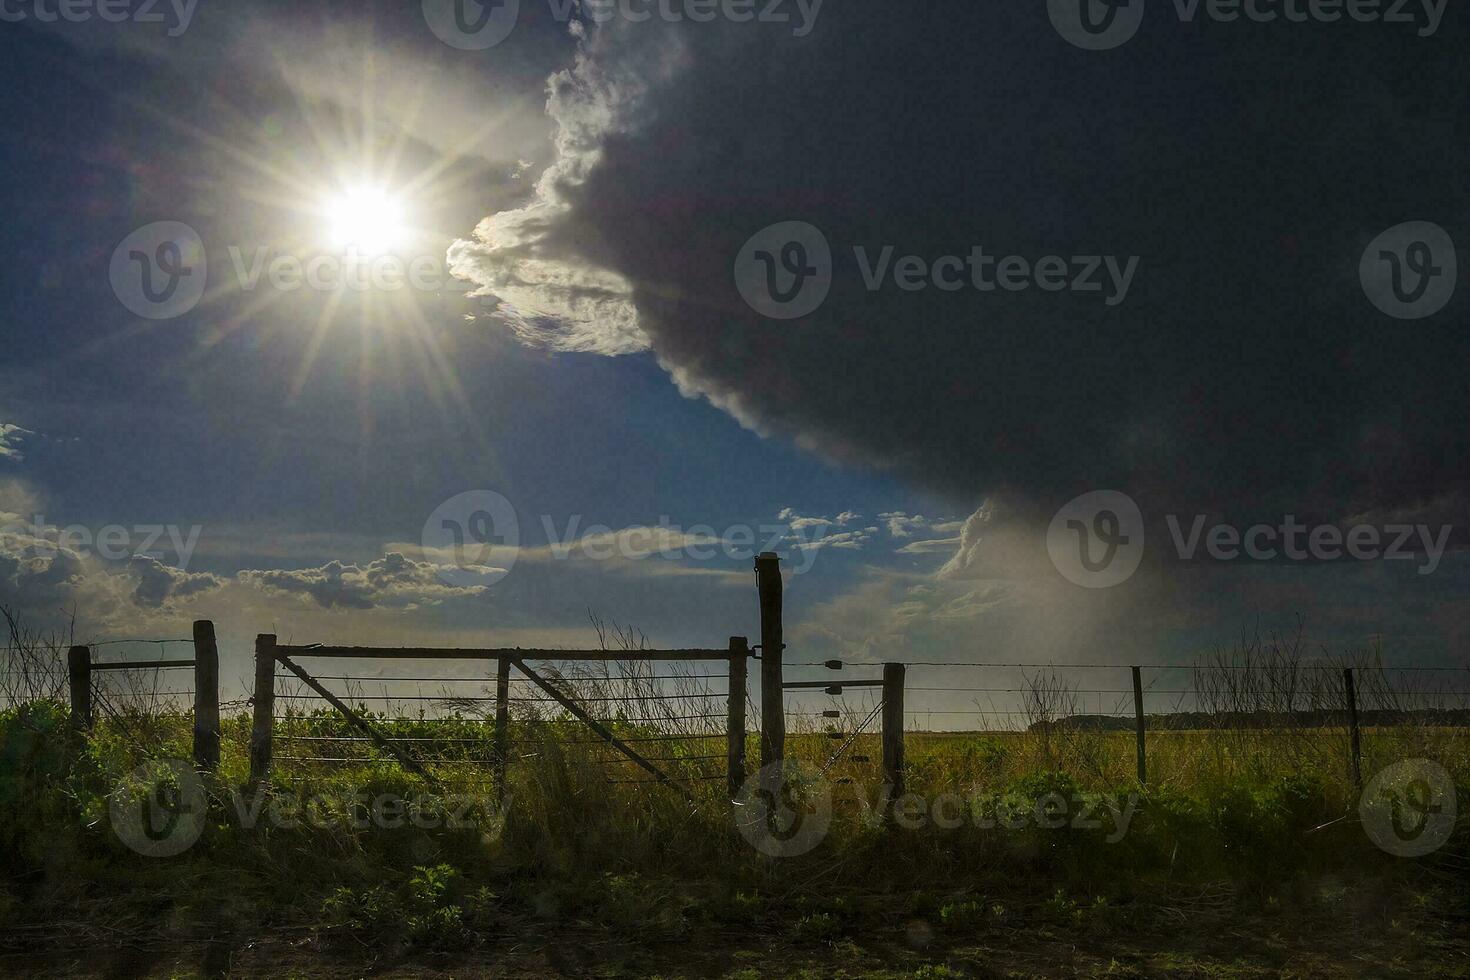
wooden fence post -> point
(735, 744)
(893, 681)
(1139, 724)
(265, 708)
(773, 700)
(206, 697)
(79, 672)
(502, 723)
(1355, 764)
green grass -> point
(1243, 858)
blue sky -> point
(592, 185)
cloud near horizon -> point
(390, 581)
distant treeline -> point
(1205, 720)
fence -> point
(1286, 699)
(85, 689)
(1283, 697)
(601, 715)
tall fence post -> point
(1355, 764)
(773, 701)
(206, 697)
(79, 673)
(502, 723)
(893, 681)
(265, 708)
(1139, 724)
(735, 744)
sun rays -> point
(325, 248)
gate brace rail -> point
(598, 727)
(361, 724)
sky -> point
(1048, 265)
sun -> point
(366, 218)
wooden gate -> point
(271, 655)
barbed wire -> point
(843, 664)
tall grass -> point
(1242, 795)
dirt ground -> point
(1171, 946)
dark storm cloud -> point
(1247, 166)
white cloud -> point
(554, 291)
(159, 584)
(17, 502)
(901, 525)
(930, 546)
(392, 580)
(10, 439)
(810, 534)
(43, 574)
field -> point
(1015, 853)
